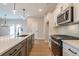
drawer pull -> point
(13, 52)
(10, 54)
(72, 51)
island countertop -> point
(7, 42)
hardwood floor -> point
(40, 48)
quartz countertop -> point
(73, 43)
(7, 42)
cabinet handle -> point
(10, 54)
(72, 51)
(13, 52)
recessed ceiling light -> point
(40, 10)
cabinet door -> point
(65, 5)
(28, 45)
(65, 52)
(23, 49)
(32, 38)
(70, 50)
(21, 52)
(76, 12)
(55, 18)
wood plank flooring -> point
(40, 48)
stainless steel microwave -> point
(66, 16)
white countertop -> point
(73, 43)
(7, 42)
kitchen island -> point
(16, 45)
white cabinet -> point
(69, 50)
(65, 52)
(76, 12)
(55, 13)
(63, 6)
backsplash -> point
(72, 30)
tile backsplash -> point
(72, 30)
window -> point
(14, 29)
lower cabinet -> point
(29, 43)
(69, 50)
(21, 49)
(18, 50)
(21, 52)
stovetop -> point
(64, 37)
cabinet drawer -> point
(70, 50)
(14, 50)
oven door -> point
(56, 48)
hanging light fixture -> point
(5, 19)
(4, 24)
(14, 10)
(23, 14)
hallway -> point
(40, 48)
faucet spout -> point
(21, 29)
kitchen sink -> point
(24, 35)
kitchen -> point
(25, 28)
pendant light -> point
(23, 14)
(4, 24)
(14, 10)
(5, 19)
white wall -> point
(35, 25)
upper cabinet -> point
(76, 12)
(63, 6)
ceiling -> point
(31, 9)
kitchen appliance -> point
(66, 16)
(56, 47)
(57, 44)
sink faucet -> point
(18, 30)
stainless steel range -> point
(57, 44)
